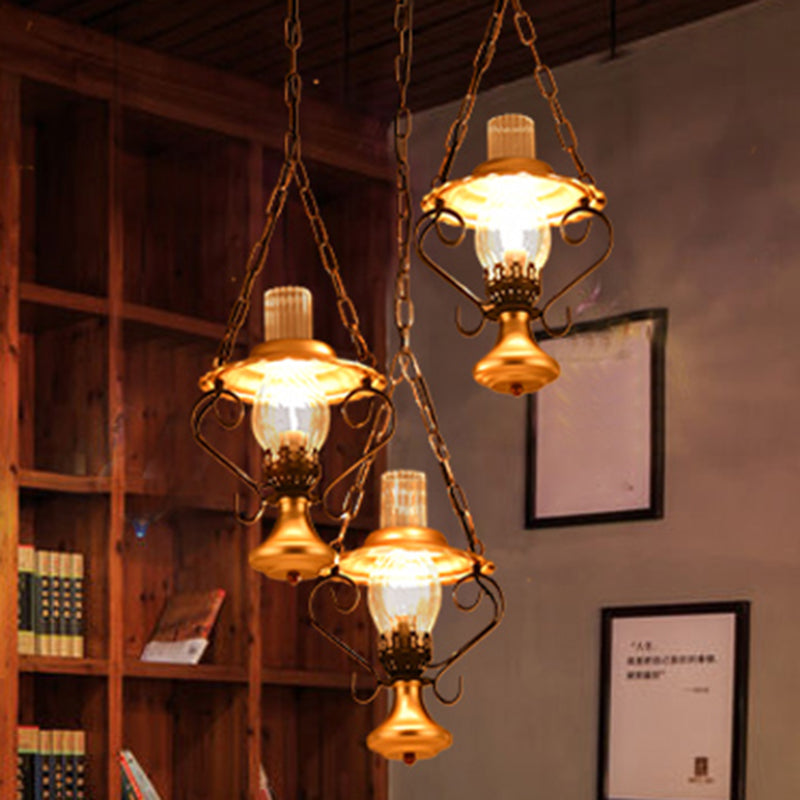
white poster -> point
(671, 707)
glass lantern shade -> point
(511, 231)
(290, 409)
(404, 590)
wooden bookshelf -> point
(128, 204)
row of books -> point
(51, 764)
(136, 785)
(50, 613)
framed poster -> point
(673, 702)
(595, 443)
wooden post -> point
(10, 164)
(116, 419)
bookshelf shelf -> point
(317, 679)
(35, 293)
(213, 673)
(123, 241)
(51, 665)
(42, 480)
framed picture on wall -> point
(673, 702)
(595, 439)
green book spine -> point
(58, 764)
(27, 746)
(80, 765)
(44, 630)
(55, 604)
(26, 637)
(76, 602)
(46, 752)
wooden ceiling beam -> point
(45, 49)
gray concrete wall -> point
(694, 136)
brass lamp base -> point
(293, 551)
(408, 733)
(516, 364)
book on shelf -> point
(264, 786)
(136, 784)
(50, 764)
(26, 636)
(50, 603)
(182, 633)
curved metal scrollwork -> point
(433, 220)
(577, 241)
(381, 413)
(331, 582)
(207, 403)
(488, 588)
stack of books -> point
(51, 764)
(50, 613)
(136, 785)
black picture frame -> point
(543, 410)
(628, 731)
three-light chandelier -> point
(290, 382)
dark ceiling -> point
(349, 45)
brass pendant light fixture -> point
(290, 380)
(511, 201)
(404, 564)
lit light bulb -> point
(511, 231)
(290, 409)
(404, 592)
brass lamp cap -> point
(451, 563)
(555, 194)
(337, 377)
(516, 364)
(293, 551)
(409, 733)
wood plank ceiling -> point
(349, 45)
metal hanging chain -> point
(403, 305)
(405, 365)
(292, 87)
(483, 58)
(292, 169)
(548, 88)
(545, 81)
(347, 311)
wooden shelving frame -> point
(98, 362)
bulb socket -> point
(292, 471)
(405, 654)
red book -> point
(181, 635)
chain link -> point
(483, 58)
(545, 81)
(293, 168)
(405, 366)
(347, 311)
(548, 88)
(403, 305)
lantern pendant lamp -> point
(511, 202)
(404, 565)
(290, 380)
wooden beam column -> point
(10, 165)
